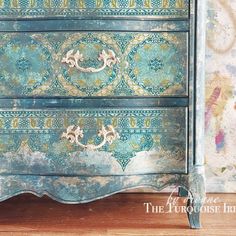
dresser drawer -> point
(94, 141)
(161, 9)
(94, 64)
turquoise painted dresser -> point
(101, 96)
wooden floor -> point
(121, 214)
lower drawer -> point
(93, 141)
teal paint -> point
(37, 25)
(92, 8)
(33, 64)
(31, 141)
(153, 98)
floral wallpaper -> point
(220, 114)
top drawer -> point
(94, 8)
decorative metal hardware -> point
(109, 59)
(74, 134)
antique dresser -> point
(102, 96)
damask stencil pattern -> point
(221, 72)
(151, 140)
(220, 96)
(41, 64)
(72, 8)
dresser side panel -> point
(200, 81)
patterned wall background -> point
(221, 96)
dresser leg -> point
(193, 212)
(182, 192)
(196, 196)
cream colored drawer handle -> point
(74, 134)
(109, 59)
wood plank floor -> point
(121, 214)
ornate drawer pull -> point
(74, 134)
(109, 59)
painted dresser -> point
(101, 96)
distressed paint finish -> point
(74, 103)
(93, 25)
(157, 122)
(151, 141)
(81, 189)
(94, 8)
(149, 64)
(196, 180)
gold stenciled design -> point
(132, 3)
(99, 3)
(14, 3)
(81, 122)
(32, 3)
(1, 3)
(114, 4)
(99, 122)
(64, 4)
(47, 3)
(114, 122)
(33, 123)
(147, 4)
(1, 123)
(15, 123)
(72, 90)
(48, 123)
(165, 3)
(147, 122)
(65, 121)
(180, 4)
(81, 4)
(132, 122)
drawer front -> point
(94, 141)
(94, 8)
(94, 64)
